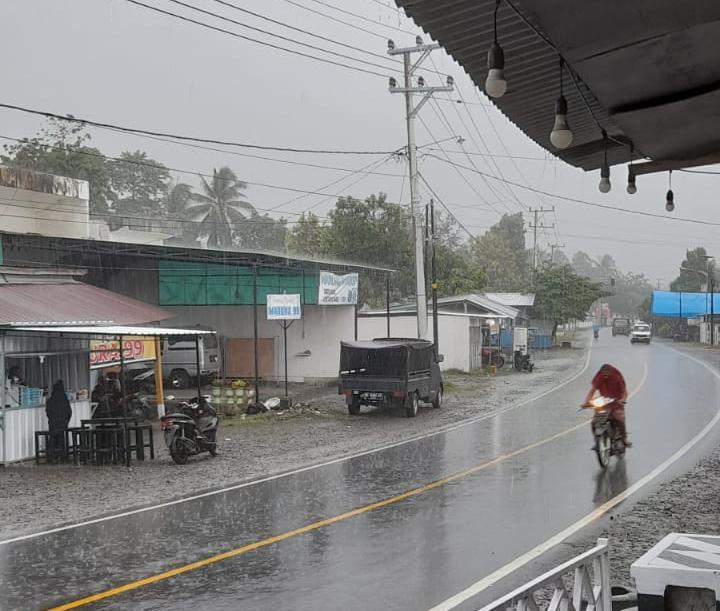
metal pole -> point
(285, 328)
(124, 401)
(159, 391)
(535, 226)
(711, 285)
(387, 301)
(197, 369)
(421, 299)
(433, 281)
(3, 399)
(255, 334)
(355, 316)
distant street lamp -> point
(709, 290)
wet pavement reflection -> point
(408, 554)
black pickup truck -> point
(395, 371)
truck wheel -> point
(180, 379)
(354, 407)
(412, 405)
(437, 402)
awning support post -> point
(387, 302)
(255, 335)
(198, 377)
(159, 391)
(3, 398)
(124, 400)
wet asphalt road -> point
(409, 554)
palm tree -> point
(219, 207)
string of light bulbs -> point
(561, 135)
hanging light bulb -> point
(495, 83)
(561, 135)
(670, 196)
(605, 185)
(631, 187)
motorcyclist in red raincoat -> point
(609, 382)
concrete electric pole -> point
(411, 110)
(535, 226)
(552, 251)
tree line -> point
(373, 230)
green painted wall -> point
(183, 283)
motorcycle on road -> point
(191, 430)
(608, 441)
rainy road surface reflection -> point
(402, 528)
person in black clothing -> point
(58, 411)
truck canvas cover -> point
(385, 356)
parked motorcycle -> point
(493, 356)
(523, 362)
(608, 441)
(190, 430)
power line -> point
(488, 185)
(280, 36)
(161, 166)
(301, 30)
(462, 176)
(335, 19)
(134, 130)
(362, 17)
(581, 201)
(487, 148)
(250, 39)
(196, 173)
(450, 212)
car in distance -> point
(621, 326)
(640, 333)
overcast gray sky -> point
(112, 61)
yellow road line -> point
(134, 585)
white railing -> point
(590, 589)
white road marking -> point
(502, 572)
(302, 469)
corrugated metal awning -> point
(71, 303)
(646, 71)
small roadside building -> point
(46, 224)
(466, 324)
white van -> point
(179, 360)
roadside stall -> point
(33, 358)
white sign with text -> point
(337, 289)
(283, 307)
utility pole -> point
(433, 278)
(411, 110)
(552, 251)
(535, 226)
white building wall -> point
(32, 202)
(453, 331)
(318, 334)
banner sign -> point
(283, 307)
(107, 353)
(338, 289)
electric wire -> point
(138, 131)
(284, 38)
(581, 201)
(303, 31)
(255, 40)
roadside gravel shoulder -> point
(689, 503)
(34, 498)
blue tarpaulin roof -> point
(683, 305)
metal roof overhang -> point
(112, 331)
(647, 71)
(71, 303)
